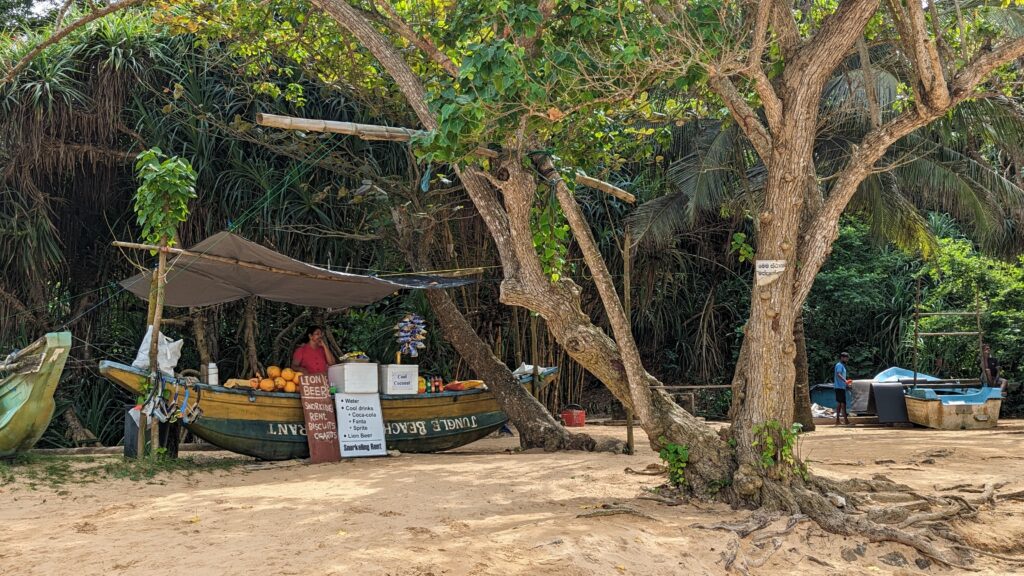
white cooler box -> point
(354, 377)
(399, 378)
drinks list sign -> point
(361, 425)
(321, 422)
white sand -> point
(481, 510)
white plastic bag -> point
(168, 353)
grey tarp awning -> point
(195, 281)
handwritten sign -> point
(361, 424)
(321, 422)
(768, 271)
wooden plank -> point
(321, 419)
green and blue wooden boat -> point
(27, 381)
(270, 425)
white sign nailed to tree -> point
(768, 271)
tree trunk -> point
(526, 285)
(801, 388)
(252, 357)
(199, 331)
(537, 428)
(765, 375)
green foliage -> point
(676, 457)
(161, 202)
(778, 446)
(860, 303)
(740, 247)
(962, 279)
(550, 235)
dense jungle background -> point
(72, 123)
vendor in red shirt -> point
(313, 356)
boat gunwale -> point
(248, 392)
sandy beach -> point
(487, 509)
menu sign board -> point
(361, 425)
(321, 422)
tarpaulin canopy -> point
(226, 267)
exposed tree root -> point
(651, 470)
(878, 510)
(821, 510)
(793, 521)
(665, 494)
(1015, 560)
(1018, 495)
(729, 557)
(757, 521)
(613, 509)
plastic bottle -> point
(211, 374)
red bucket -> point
(573, 415)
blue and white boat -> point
(957, 409)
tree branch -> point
(63, 32)
(479, 190)
(400, 27)
(754, 71)
(742, 112)
(814, 248)
(785, 27)
(870, 91)
(818, 58)
(925, 57)
(973, 74)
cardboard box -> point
(399, 378)
(354, 377)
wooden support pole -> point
(160, 279)
(627, 268)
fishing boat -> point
(27, 381)
(958, 409)
(270, 425)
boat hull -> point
(974, 411)
(270, 425)
(26, 399)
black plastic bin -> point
(169, 432)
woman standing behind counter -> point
(313, 356)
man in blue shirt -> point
(840, 381)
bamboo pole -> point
(397, 134)
(362, 131)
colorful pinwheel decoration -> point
(410, 333)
